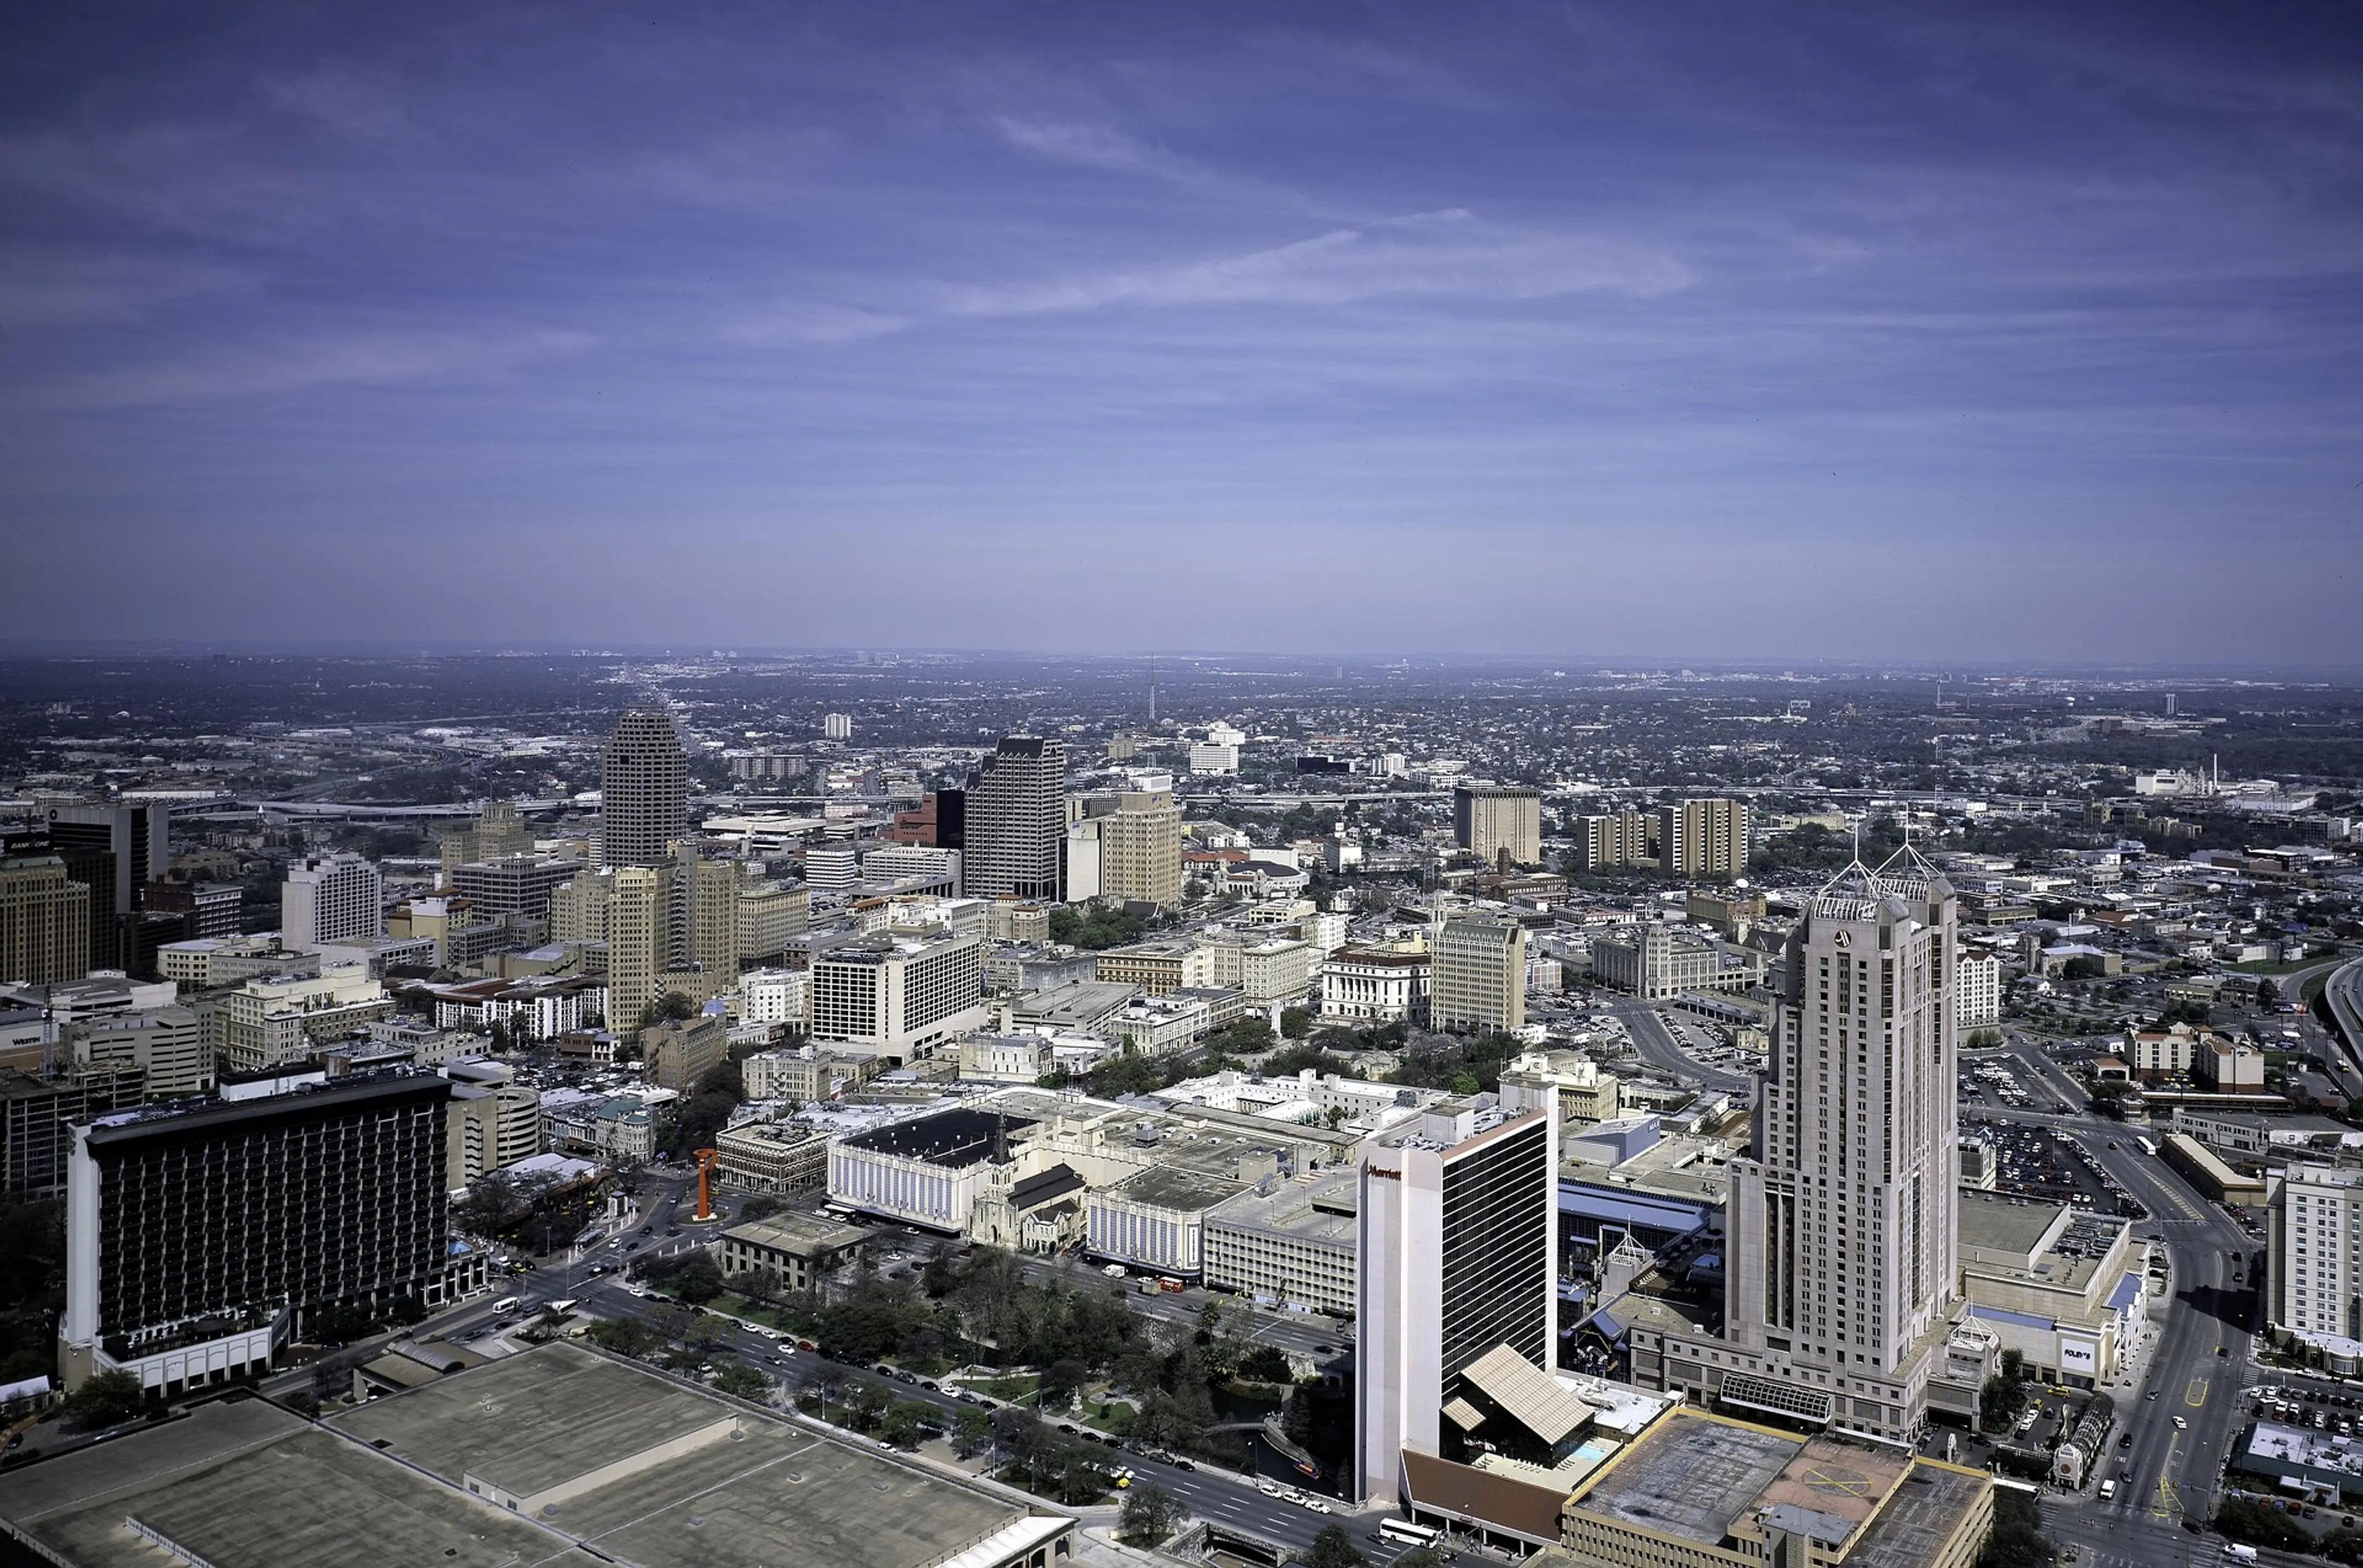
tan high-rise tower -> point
(643, 790)
(1843, 1260)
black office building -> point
(199, 1238)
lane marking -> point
(2196, 1394)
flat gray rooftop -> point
(1690, 1476)
(245, 1485)
(1993, 1224)
(252, 1486)
(776, 1492)
(1290, 1209)
(1177, 1188)
(527, 1422)
(1921, 1517)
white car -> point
(2180, 1425)
(1272, 1488)
(1316, 1504)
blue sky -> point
(1696, 331)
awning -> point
(1525, 1393)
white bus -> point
(1408, 1533)
(506, 1304)
(2148, 1147)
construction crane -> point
(707, 1160)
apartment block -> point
(680, 1052)
(1126, 847)
(770, 915)
(2313, 1234)
(169, 1047)
(1977, 1001)
(270, 1023)
(1497, 823)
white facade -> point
(1364, 986)
(331, 899)
(832, 868)
(837, 727)
(1433, 1298)
(906, 1187)
(775, 997)
(901, 863)
(1210, 757)
(1977, 1003)
(899, 998)
(2314, 1232)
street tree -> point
(1149, 1514)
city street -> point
(1656, 1046)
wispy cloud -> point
(344, 100)
(378, 358)
(49, 286)
(1101, 147)
(1446, 252)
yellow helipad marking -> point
(2196, 1393)
(1845, 1481)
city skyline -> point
(1539, 331)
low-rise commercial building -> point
(2062, 1287)
(771, 1157)
(1656, 960)
(1288, 1243)
(270, 1023)
(789, 1251)
(1156, 1219)
(558, 1455)
(1699, 1490)
(1375, 985)
(615, 1129)
(808, 1073)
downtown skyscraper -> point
(1016, 820)
(1843, 1262)
(643, 790)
